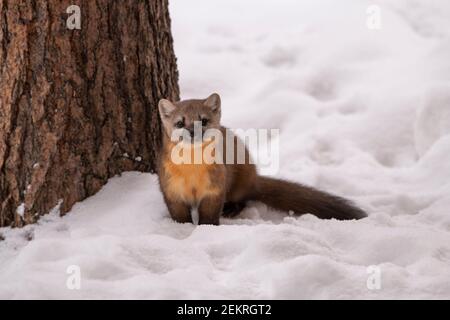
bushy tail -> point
(288, 196)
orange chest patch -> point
(189, 182)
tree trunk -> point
(78, 106)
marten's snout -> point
(191, 132)
(195, 132)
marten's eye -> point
(204, 122)
(179, 124)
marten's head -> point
(193, 117)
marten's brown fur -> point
(215, 189)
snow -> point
(362, 113)
(21, 209)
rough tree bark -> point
(78, 106)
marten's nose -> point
(191, 132)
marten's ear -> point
(213, 101)
(165, 108)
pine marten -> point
(201, 193)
